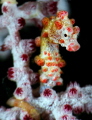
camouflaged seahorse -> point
(56, 30)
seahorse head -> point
(62, 31)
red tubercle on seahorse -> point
(44, 69)
(58, 83)
(73, 47)
(61, 64)
(48, 64)
(45, 52)
(39, 61)
(50, 75)
(56, 78)
(56, 53)
(57, 58)
(52, 17)
(61, 41)
(72, 21)
(44, 80)
(49, 54)
(49, 58)
(45, 21)
(62, 14)
(45, 34)
(69, 29)
(76, 29)
(54, 70)
(58, 25)
(37, 41)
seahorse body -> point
(56, 30)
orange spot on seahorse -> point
(50, 75)
(52, 17)
(54, 64)
(38, 41)
(58, 58)
(48, 64)
(58, 83)
(45, 52)
(56, 53)
(45, 21)
(55, 70)
(76, 29)
(62, 14)
(62, 63)
(58, 25)
(45, 69)
(39, 61)
(49, 58)
(72, 21)
(61, 41)
(49, 54)
(45, 34)
(56, 78)
(44, 80)
(69, 29)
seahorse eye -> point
(65, 35)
